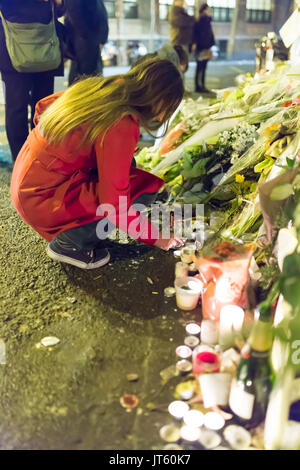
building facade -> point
(135, 23)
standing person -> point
(181, 25)
(79, 157)
(24, 88)
(203, 40)
(87, 22)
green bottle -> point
(251, 388)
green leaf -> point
(282, 191)
(291, 162)
(290, 288)
(267, 163)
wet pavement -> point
(110, 322)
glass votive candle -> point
(209, 332)
(206, 361)
(184, 366)
(181, 269)
(188, 290)
(191, 341)
(184, 352)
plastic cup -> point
(188, 291)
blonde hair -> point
(148, 89)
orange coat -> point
(55, 188)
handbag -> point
(205, 54)
(32, 47)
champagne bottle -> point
(250, 389)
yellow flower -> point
(239, 178)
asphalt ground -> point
(110, 322)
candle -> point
(205, 361)
(193, 329)
(184, 366)
(178, 409)
(194, 418)
(215, 389)
(209, 439)
(190, 433)
(191, 341)
(209, 332)
(214, 421)
(231, 323)
(170, 433)
(181, 269)
(183, 352)
(187, 254)
(238, 437)
(188, 290)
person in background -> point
(79, 157)
(23, 89)
(176, 54)
(181, 25)
(203, 40)
(87, 24)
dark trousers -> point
(21, 90)
(88, 59)
(85, 237)
(200, 73)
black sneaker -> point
(82, 259)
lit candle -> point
(209, 332)
(193, 329)
(181, 269)
(194, 418)
(190, 433)
(184, 352)
(231, 324)
(178, 409)
(214, 421)
(184, 366)
(188, 290)
(191, 341)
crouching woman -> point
(79, 158)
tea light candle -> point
(231, 324)
(184, 366)
(190, 433)
(193, 329)
(214, 421)
(178, 409)
(177, 253)
(184, 352)
(191, 341)
(181, 269)
(209, 332)
(194, 418)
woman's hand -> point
(168, 243)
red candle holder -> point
(206, 361)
